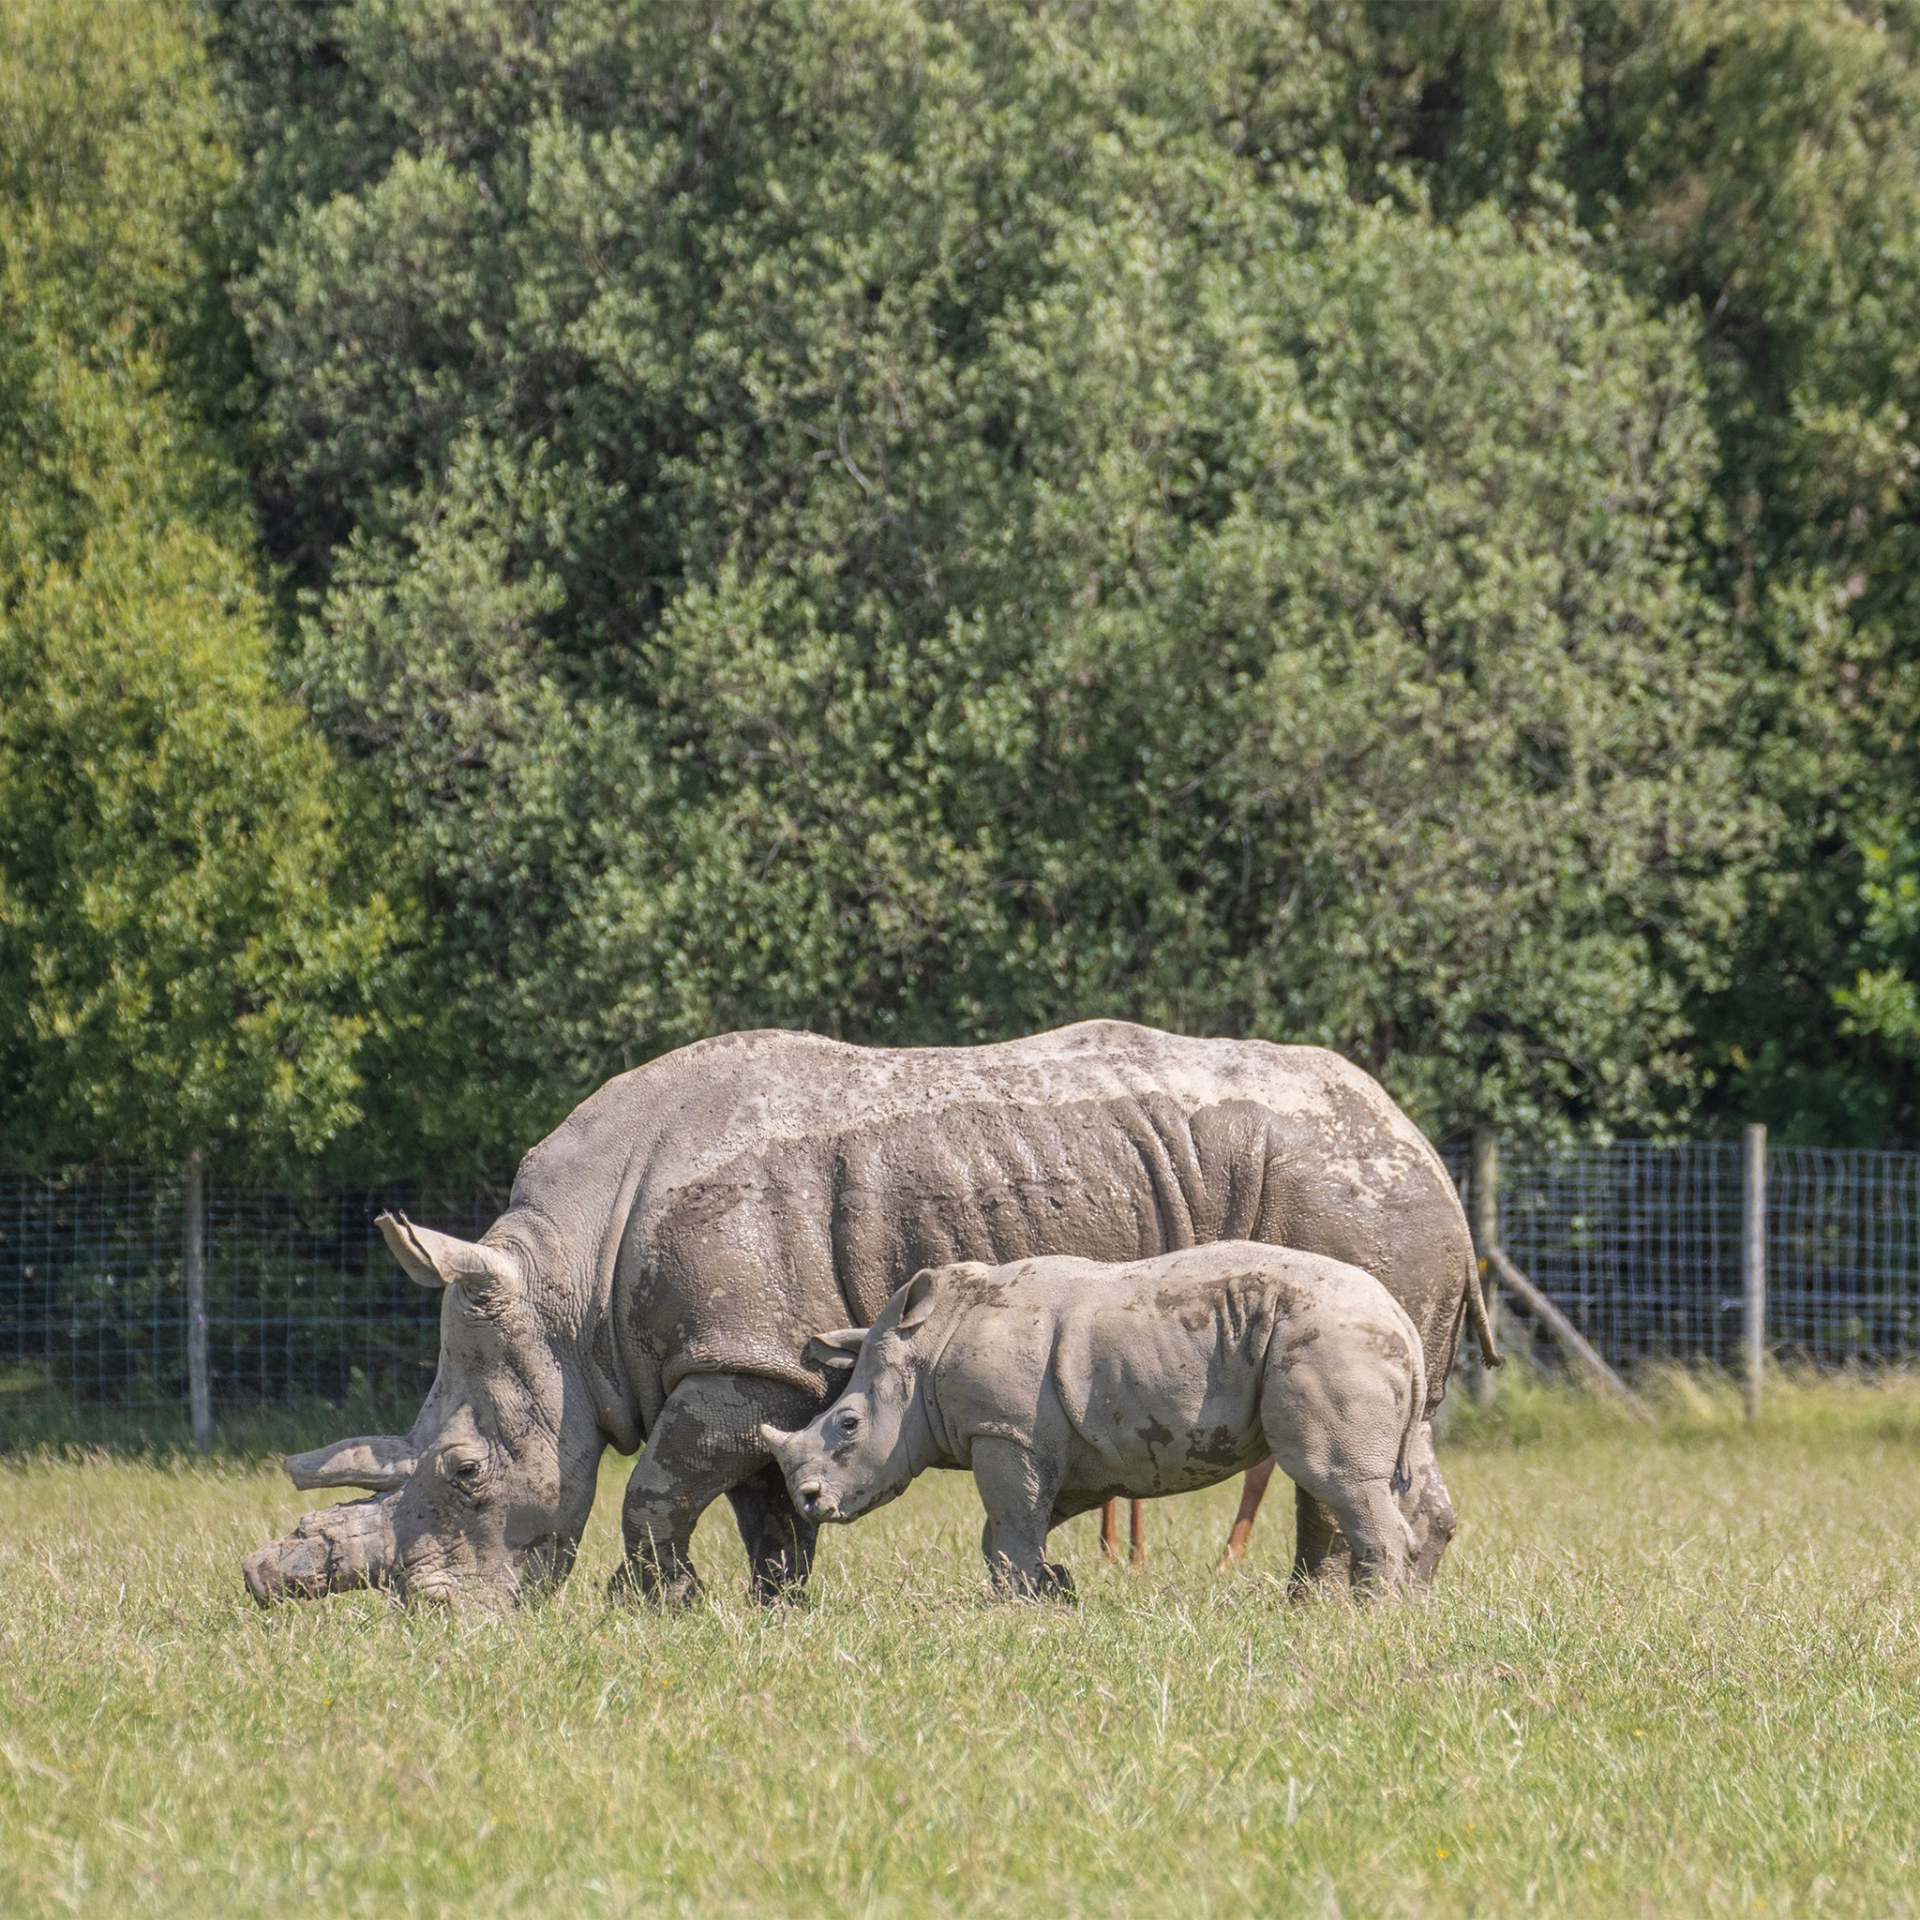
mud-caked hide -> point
(1063, 1383)
(710, 1213)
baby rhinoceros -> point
(1063, 1383)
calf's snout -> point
(800, 1461)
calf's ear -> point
(917, 1302)
(837, 1351)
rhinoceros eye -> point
(464, 1472)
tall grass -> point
(1671, 1672)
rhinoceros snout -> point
(261, 1572)
(290, 1569)
(332, 1551)
(815, 1501)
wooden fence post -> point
(199, 1396)
(1485, 1194)
(1573, 1343)
(1753, 1259)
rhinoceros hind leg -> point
(1381, 1540)
(705, 1443)
(779, 1538)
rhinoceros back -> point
(777, 1185)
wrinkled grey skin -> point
(1062, 1384)
(671, 1248)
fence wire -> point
(1638, 1244)
(302, 1293)
(1843, 1253)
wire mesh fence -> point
(1844, 1253)
(302, 1295)
(1639, 1245)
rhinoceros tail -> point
(1477, 1313)
(1416, 1408)
(1483, 1327)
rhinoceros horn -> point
(332, 1551)
(379, 1462)
(783, 1446)
(439, 1260)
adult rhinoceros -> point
(668, 1251)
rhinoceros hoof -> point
(771, 1592)
(633, 1585)
(1052, 1582)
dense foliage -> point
(1754, 167)
(184, 960)
(1384, 525)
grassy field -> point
(1672, 1673)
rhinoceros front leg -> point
(706, 1443)
(1017, 1492)
(779, 1537)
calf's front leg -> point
(706, 1443)
(1018, 1496)
(1322, 1560)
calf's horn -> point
(379, 1462)
(777, 1444)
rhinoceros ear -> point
(917, 1300)
(439, 1260)
(380, 1462)
(836, 1351)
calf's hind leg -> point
(1321, 1555)
(1335, 1432)
(1377, 1533)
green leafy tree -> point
(1753, 165)
(925, 522)
(185, 960)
